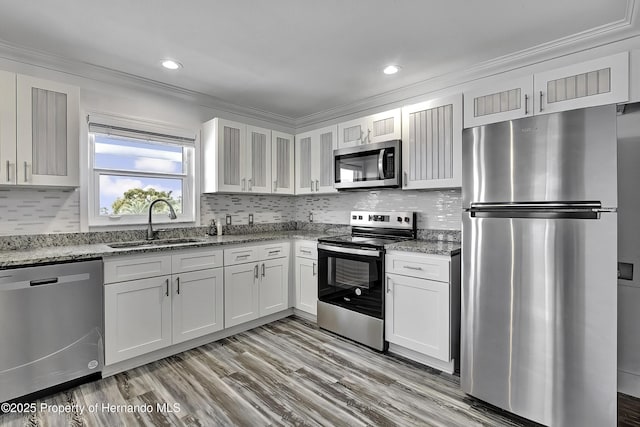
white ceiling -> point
(294, 58)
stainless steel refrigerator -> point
(539, 254)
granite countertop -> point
(27, 257)
(426, 247)
(48, 254)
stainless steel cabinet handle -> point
(26, 179)
(406, 181)
(317, 185)
(388, 287)
(244, 181)
(541, 101)
(275, 185)
(167, 289)
(263, 270)
(242, 256)
(314, 268)
(8, 171)
(250, 184)
(526, 105)
(178, 282)
(274, 252)
(304, 251)
(255, 271)
(311, 185)
(408, 267)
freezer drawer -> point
(562, 157)
(539, 308)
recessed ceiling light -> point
(391, 69)
(170, 64)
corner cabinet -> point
(39, 132)
(378, 127)
(282, 167)
(597, 82)
(422, 308)
(314, 167)
(432, 144)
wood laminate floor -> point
(285, 373)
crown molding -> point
(121, 79)
(625, 28)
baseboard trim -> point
(629, 383)
(447, 367)
(144, 359)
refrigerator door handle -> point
(535, 213)
(536, 206)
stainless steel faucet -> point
(172, 215)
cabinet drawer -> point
(307, 249)
(196, 259)
(240, 255)
(133, 267)
(421, 266)
(272, 251)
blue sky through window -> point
(121, 155)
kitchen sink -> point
(152, 243)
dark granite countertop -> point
(426, 247)
(26, 257)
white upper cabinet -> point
(314, 161)
(240, 154)
(39, 132)
(502, 101)
(432, 143)
(258, 163)
(7, 128)
(374, 128)
(282, 166)
(597, 82)
(587, 84)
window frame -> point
(188, 178)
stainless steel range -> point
(351, 275)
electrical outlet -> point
(310, 216)
(250, 219)
(228, 219)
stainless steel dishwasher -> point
(51, 333)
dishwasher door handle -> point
(40, 282)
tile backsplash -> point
(38, 211)
(41, 211)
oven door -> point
(369, 165)
(351, 278)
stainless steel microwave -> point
(368, 165)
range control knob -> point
(399, 219)
(358, 291)
(406, 219)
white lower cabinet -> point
(306, 277)
(137, 317)
(257, 288)
(197, 304)
(146, 314)
(240, 294)
(422, 308)
(417, 315)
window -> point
(130, 169)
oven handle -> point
(350, 251)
